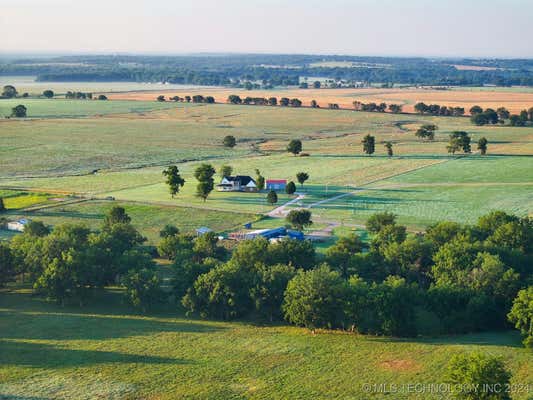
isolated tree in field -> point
(102, 97)
(294, 146)
(299, 218)
(225, 170)
(426, 131)
(174, 180)
(482, 145)
(9, 91)
(272, 197)
(229, 141)
(290, 188)
(314, 104)
(369, 144)
(19, 111)
(259, 180)
(48, 94)
(388, 146)
(478, 375)
(459, 140)
(521, 314)
(117, 215)
(204, 174)
(475, 110)
(160, 98)
(302, 177)
(2, 206)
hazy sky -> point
(499, 28)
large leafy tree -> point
(117, 215)
(521, 314)
(294, 146)
(315, 299)
(267, 294)
(299, 218)
(302, 177)
(482, 145)
(19, 111)
(204, 174)
(7, 264)
(173, 179)
(339, 255)
(272, 197)
(229, 141)
(369, 144)
(143, 288)
(9, 91)
(426, 131)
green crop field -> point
(106, 351)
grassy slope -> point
(106, 351)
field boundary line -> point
(381, 179)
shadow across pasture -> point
(23, 317)
(509, 339)
(40, 355)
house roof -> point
(203, 229)
(243, 180)
(276, 181)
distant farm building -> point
(203, 230)
(239, 183)
(270, 234)
(276, 184)
(18, 225)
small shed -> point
(276, 184)
(18, 225)
(203, 230)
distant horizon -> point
(38, 53)
(411, 28)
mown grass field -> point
(106, 351)
(122, 155)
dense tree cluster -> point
(453, 278)
(435, 109)
(482, 117)
(69, 262)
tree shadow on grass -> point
(501, 339)
(26, 318)
(40, 355)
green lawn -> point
(106, 351)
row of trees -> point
(499, 116)
(198, 98)
(435, 109)
(271, 101)
(374, 107)
(452, 279)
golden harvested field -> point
(515, 101)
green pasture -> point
(108, 351)
(69, 108)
